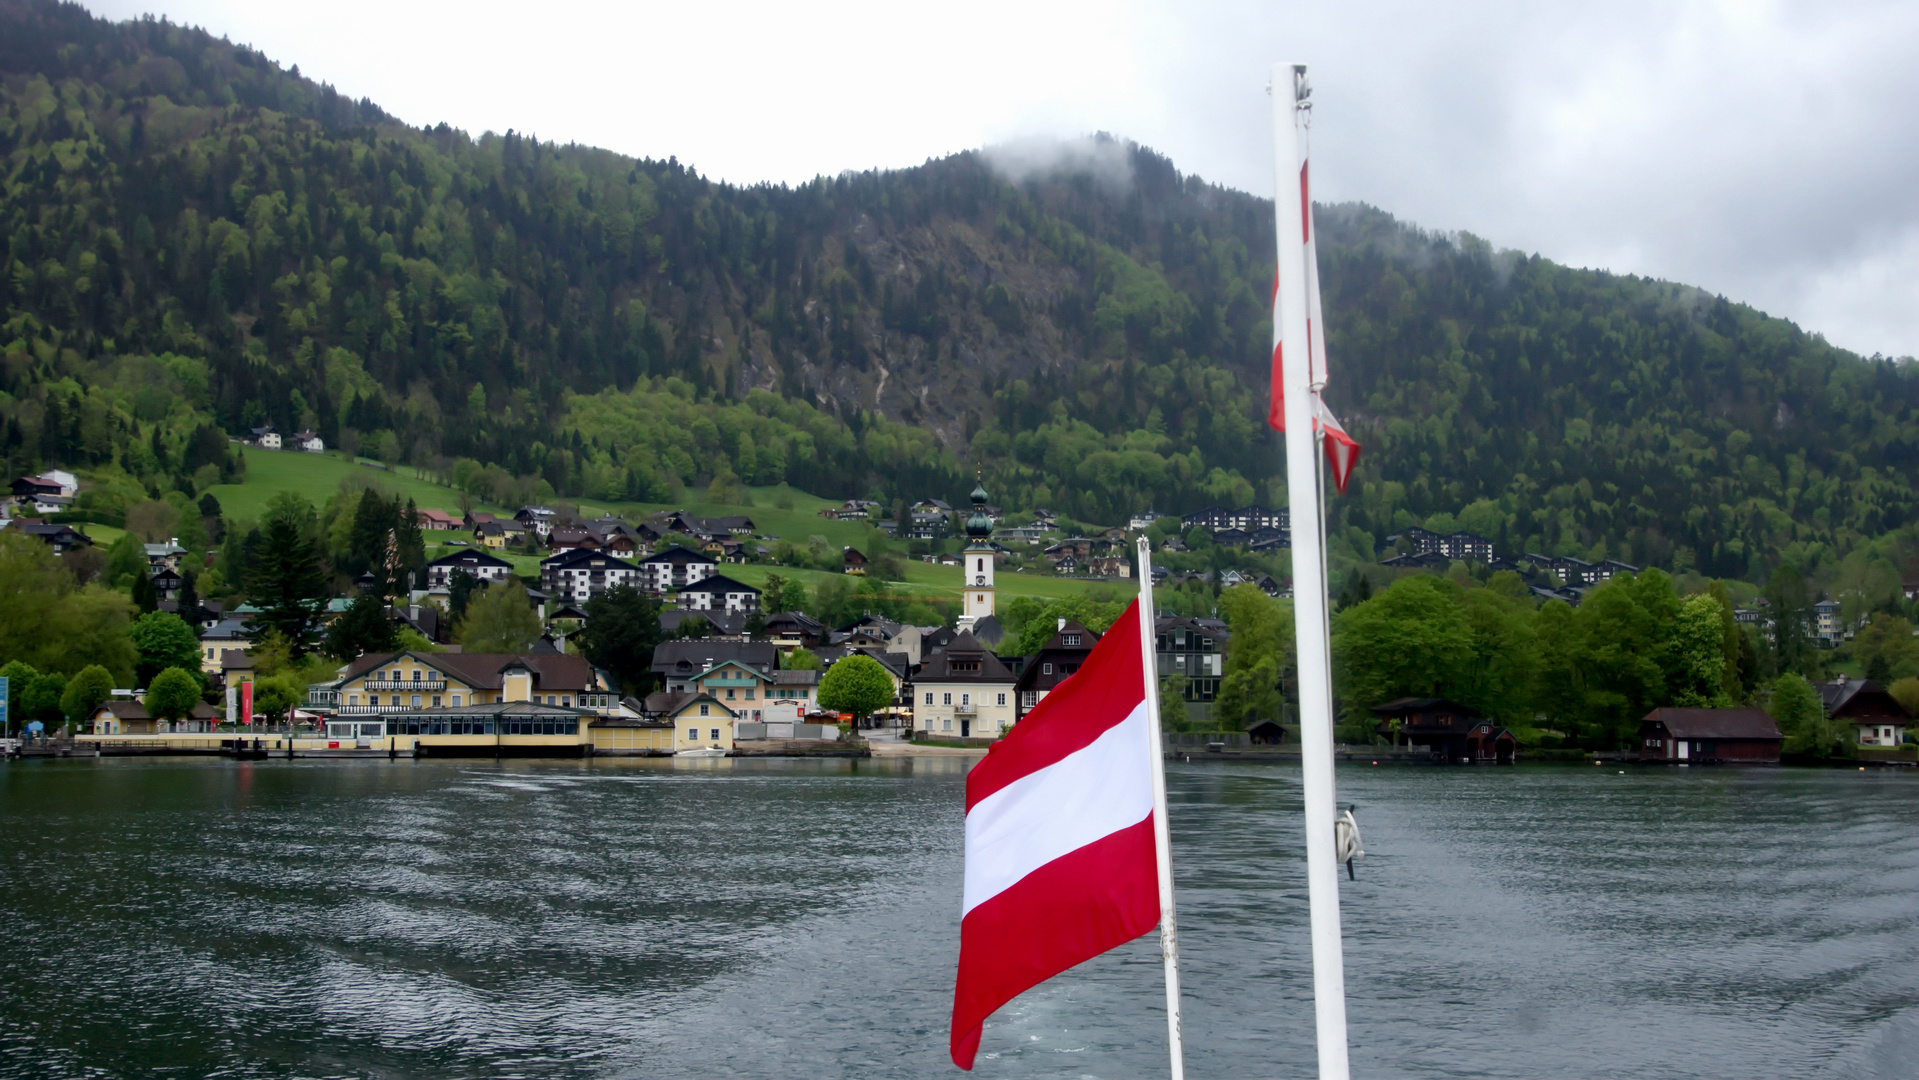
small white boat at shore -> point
(704, 751)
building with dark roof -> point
(717, 592)
(964, 690)
(1877, 718)
(1695, 736)
(1449, 731)
(393, 682)
(480, 564)
(1054, 663)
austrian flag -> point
(1061, 860)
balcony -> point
(424, 686)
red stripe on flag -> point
(1105, 690)
(1305, 206)
(1065, 913)
(1276, 412)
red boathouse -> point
(1695, 736)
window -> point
(567, 701)
(396, 674)
(416, 700)
(417, 673)
(353, 699)
(965, 700)
(716, 734)
(749, 693)
(946, 724)
(705, 710)
(1070, 639)
(946, 699)
(436, 701)
(372, 700)
(1046, 669)
(1001, 701)
(456, 701)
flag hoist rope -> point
(1290, 93)
(1162, 845)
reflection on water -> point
(616, 918)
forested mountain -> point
(197, 237)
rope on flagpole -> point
(1162, 842)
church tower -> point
(976, 565)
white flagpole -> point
(1289, 91)
(1162, 843)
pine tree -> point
(145, 596)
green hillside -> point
(197, 237)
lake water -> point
(634, 918)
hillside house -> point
(266, 438)
(482, 565)
(1876, 717)
(435, 520)
(309, 441)
(538, 520)
(795, 629)
(1247, 519)
(674, 568)
(853, 561)
(1054, 663)
(577, 575)
(717, 592)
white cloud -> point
(1762, 150)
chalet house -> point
(538, 520)
(964, 690)
(1741, 736)
(124, 717)
(1449, 731)
(62, 538)
(480, 564)
(404, 681)
(578, 575)
(853, 561)
(1110, 566)
(679, 664)
(309, 441)
(49, 493)
(498, 533)
(266, 438)
(1231, 537)
(674, 568)
(932, 519)
(1055, 662)
(1876, 716)
(795, 629)
(717, 592)
(851, 510)
(435, 520)
(568, 539)
(165, 555)
(1143, 520)
(1077, 548)
(167, 583)
(1195, 648)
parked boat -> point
(704, 751)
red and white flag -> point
(1061, 861)
(1342, 452)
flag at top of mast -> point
(1342, 452)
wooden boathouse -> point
(1710, 736)
(1449, 731)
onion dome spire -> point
(979, 526)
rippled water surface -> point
(798, 919)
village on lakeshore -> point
(559, 630)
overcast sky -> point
(1767, 151)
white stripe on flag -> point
(1090, 794)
